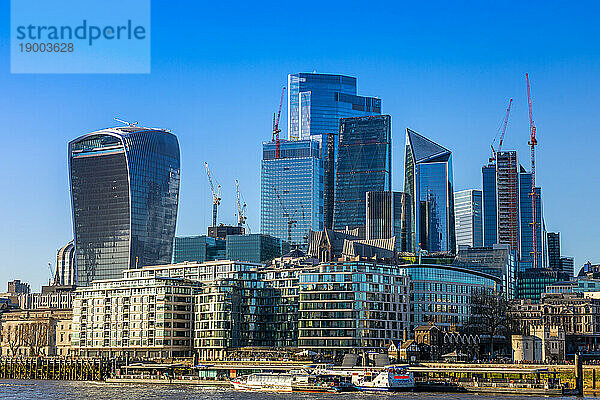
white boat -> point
(388, 379)
(264, 382)
(292, 382)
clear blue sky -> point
(444, 69)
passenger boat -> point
(289, 382)
(388, 379)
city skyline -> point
(460, 102)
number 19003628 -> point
(46, 47)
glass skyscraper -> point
(388, 215)
(291, 191)
(124, 194)
(469, 218)
(526, 219)
(316, 102)
(364, 164)
(429, 182)
(490, 206)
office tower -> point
(388, 215)
(428, 181)
(316, 102)
(553, 239)
(498, 260)
(507, 194)
(490, 205)
(526, 218)
(364, 164)
(567, 266)
(469, 218)
(198, 249)
(65, 273)
(124, 194)
(291, 192)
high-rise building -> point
(526, 218)
(553, 239)
(507, 194)
(469, 218)
(124, 194)
(316, 102)
(291, 194)
(490, 205)
(198, 249)
(364, 164)
(567, 266)
(498, 260)
(429, 182)
(388, 215)
(65, 273)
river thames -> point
(67, 390)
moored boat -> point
(292, 382)
(264, 382)
(388, 379)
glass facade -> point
(441, 294)
(498, 260)
(124, 194)
(256, 247)
(553, 239)
(316, 102)
(490, 206)
(364, 164)
(532, 282)
(198, 249)
(526, 218)
(291, 199)
(388, 215)
(429, 182)
(468, 218)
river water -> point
(66, 390)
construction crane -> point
(276, 129)
(241, 208)
(291, 222)
(216, 195)
(503, 131)
(52, 277)
(532, 142)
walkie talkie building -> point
(124, 197)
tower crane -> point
(241, 208)
(532, 142)
(291, 222)
(216, 195)
(276, 129)
(493, 159)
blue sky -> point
(444, 69)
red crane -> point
(532, 142)
(276, 129)
(502, 133)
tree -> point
(490, 315)
(13, 337)
(35, 337)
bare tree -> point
(36, 337)
(14, 338)
(490, 315)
